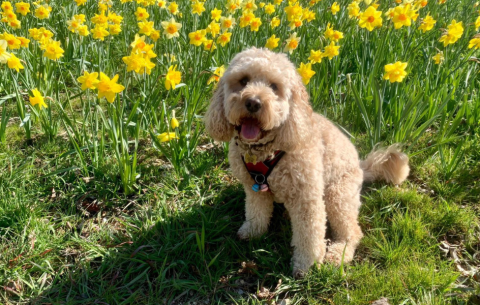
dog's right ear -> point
(215, 120)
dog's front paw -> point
(301, 267)
(247, 230)
(298, 274)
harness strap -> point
(260, 171)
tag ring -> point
(260, 179)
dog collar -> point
(259, 171)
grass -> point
(67, 239)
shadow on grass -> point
(186, 255)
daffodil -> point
(209, 45)
(83, 30)
(114, 18)
(308, 15)
(213, 28)
(272, 42)
(217, 74)
(108, 88)
(335, 8)
(14, 63)
(269, 9)
(15, 24)
(37, 99)
(88, 80)
(294, 12)
(198, 8)
(100, 19)
(173, 78)
(173, 8)
(73, 25)
(306, 72)
(395, 72)
(255, 24)
(114, 29)
(295, 24)
(233, 5)
(403, 15)
(52, 50)
(370, 19)
(331, 34)
(171, 28)
(23, 42)
(474, 43)
(427, 24)
(99, 32)
(43, 12)
(173, 121)
(23, 8)
(246, 19)
(198, 37)
(227, 23)
(146, 27)
(454, 32)
(331, 50)
(135, 62)
(167, 136)
(438, 58)
(13, 42)
(155, 35)
(4, 55)
(224, 38)
(216, 14)
(353, 10)
(315, 56)
(6, 6)
(291, 43)
(141, 14)
(249, 6)
(275, 22)
(138, 43)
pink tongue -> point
(249, 130)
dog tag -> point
(260, 187)
(250, 158)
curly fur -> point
(320, 176)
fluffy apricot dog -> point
(282, 151)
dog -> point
(282, 151)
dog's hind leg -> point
(258, 211)
(342, 202)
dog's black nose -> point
(253, 104)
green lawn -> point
(66, 238)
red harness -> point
(261, 170)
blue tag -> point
(256, 187)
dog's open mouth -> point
(250, 130)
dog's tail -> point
(389, 164)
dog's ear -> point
(296, 130)
(215, 119)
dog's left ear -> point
(297, 129)
(215, 120)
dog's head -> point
(262, 96)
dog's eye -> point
(244, 81)
(274, 87)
